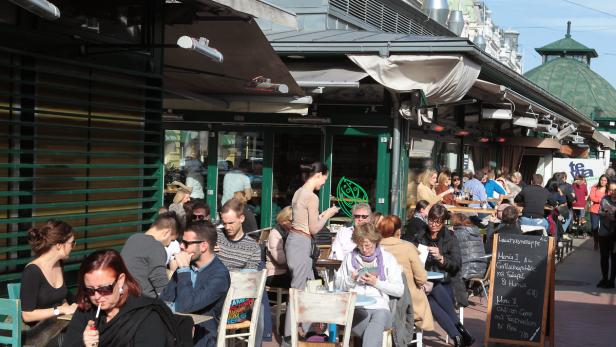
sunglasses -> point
(188, 243)
(361, 216)
(199, 217)
(434, 222)
(103, 291)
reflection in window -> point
(240, 168)
(185, 153)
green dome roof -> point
(575, 83)
(566, 45)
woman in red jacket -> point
(596, 194)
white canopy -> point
(442, 78)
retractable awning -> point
(442, 77)
(603, 139)
(314, 75)
(263, 10)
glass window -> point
(240, 168)
(290, 151)
(185, 153)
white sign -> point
(592, 169)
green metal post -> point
(383, 174)
(211, 195)
(267, 184)
(326, 157)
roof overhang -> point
(194, 81)
(604, 140)
(385, 44)
(263, 10)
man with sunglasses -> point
(145, 255)
(201, 282)
(200, 211)
(343, 244)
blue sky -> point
(543, 21)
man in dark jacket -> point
(534, 198)
(201, 281)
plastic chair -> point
(13, 289)
(243, 285)
(11, 310)
(332, 308)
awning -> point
(442, 78)
(263, 10)
(313, 75)
(603, 139)
(497, 93)
(534, 142)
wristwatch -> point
(56, 311)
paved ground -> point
(585, 315)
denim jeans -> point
(542, 222)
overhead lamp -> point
(463, 133)
(265, 85)
(496, 113)
(500, 139)
(483, 139)
(200, 46)
(437, 127)
(527, 122)
(566, 131)
(41, 8)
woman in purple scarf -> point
(372, 272)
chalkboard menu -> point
(520, 289)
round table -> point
(433, 275)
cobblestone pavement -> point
(585, 314)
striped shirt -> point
(242, 254)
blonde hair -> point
(285, 216)
(241, 196)
(180, 195)
(425, 177)
(443, 177)
(366, 231)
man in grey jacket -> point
(145, 255)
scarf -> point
(421, 216)
(378, 255)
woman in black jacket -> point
(444, 257)
(419, 222)
(111, 311)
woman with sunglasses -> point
(444, 257)
(112, 311)
(43, 292)
(306, 223)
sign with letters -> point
(521, 290)
(591, 169)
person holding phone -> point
(373, 272)
(444, 257)
(307, 221)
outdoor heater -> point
(41, 8)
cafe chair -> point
(418, 340)
(278, 305)
(243, 285)
(332, 308)
(13, 290)
(10, 325)
(484, 282)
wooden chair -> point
(278, 305)
(324, 251)
(332, 308)
(10, 309)
(484, 282)
(13, 290)
(243, 285)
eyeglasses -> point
(434, 222)
(456, 179)
(199, 217)
(361, 216)
(188, 243)
(103, 291)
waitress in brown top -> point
(306, 222)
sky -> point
(593, 23)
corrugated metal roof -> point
(337, 35)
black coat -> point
(413, 227)
(448, 247)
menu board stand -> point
(521, 300)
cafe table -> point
(433, 275)
(461, 209)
